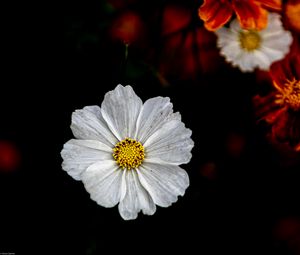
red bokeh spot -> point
(9, 156)
(119, 4)
(287, 232)
(287, 229)
(127, 27)
(209, 170)
(235, 144)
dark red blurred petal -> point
(187, 54)
(175, 18)
(208, 55)
(263, 76)
(266, 108)
(280, 72)
(287, 128)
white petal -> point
(170, 144)
(280, 37)
(263, 62)
(225, 36)
(275, 43)
(274, 25)
(163, 182)
(246, 62)
(155, 112)
(120, 108)
(231, 51)
(272, 54)
(228, 41)
(89, 124)
(280, 42)
(235, 26)
(78, 155)
(136, 198)
(103, 180)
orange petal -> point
(250, 14)
(215, 13)
(272, 4)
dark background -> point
(244, 191)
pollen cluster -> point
(290, 94)
(249, 40)
(129, 153)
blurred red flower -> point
(281, 108)
(188, 49)
(252, 14)
(127, 27)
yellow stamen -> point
(250, 40)
(129, 153)
(290, 94)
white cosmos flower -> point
(128, 152)
(250, 49)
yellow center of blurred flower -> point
(129, 153)
(249, 40)
(290, 94)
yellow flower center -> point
(129, 153)
(290, 94)
(250, 40)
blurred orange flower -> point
(281, 108)
(292, 14)
(252, 14)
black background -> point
(48, 74)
